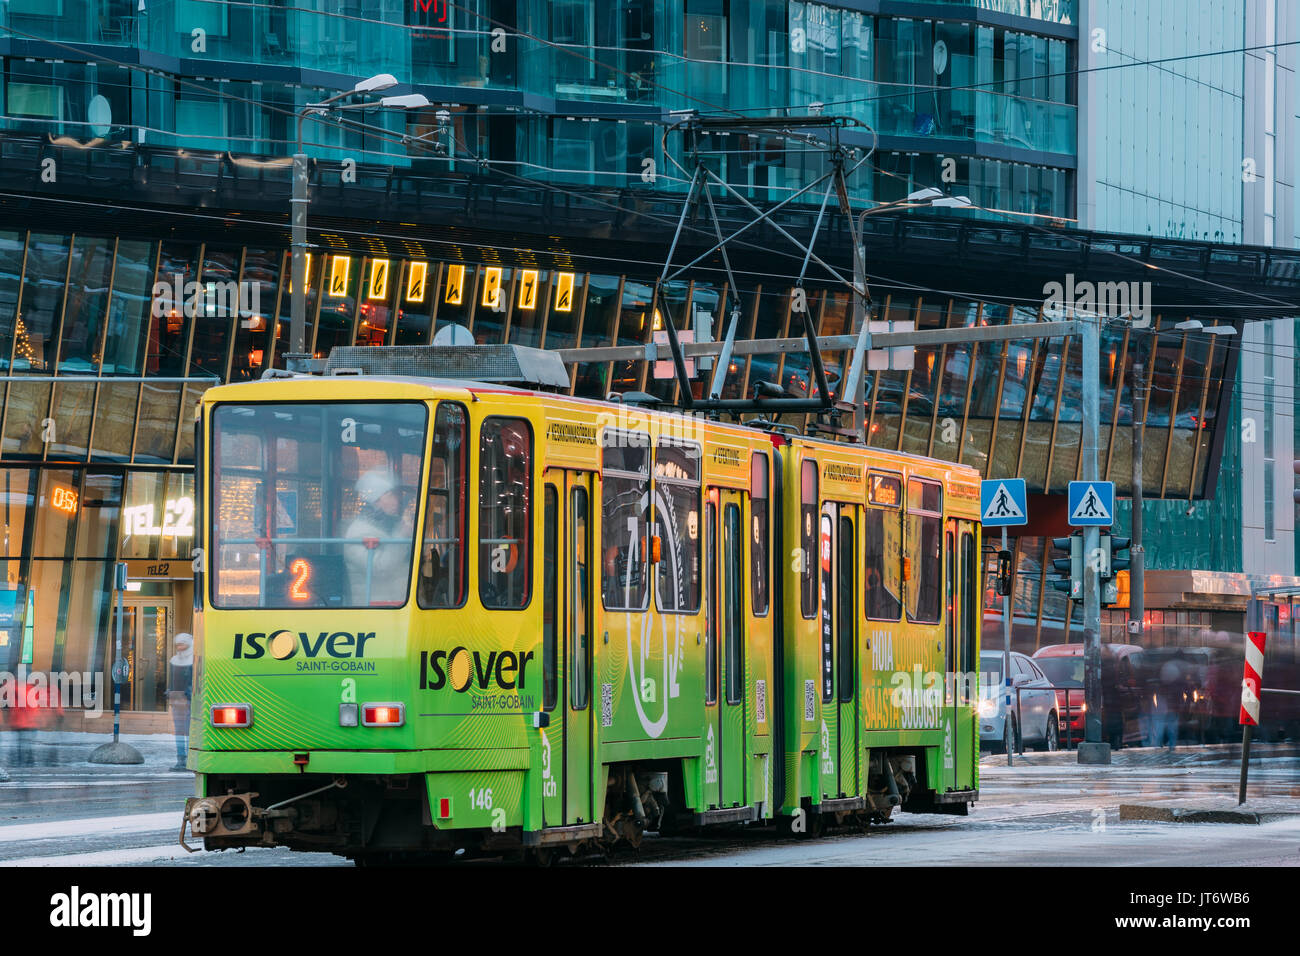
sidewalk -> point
(65, 752)
(1187, 755)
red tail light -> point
(232, 715)
(383, 715)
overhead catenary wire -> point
(533, 183)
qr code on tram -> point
(809, 699)
(607, 705)
(760, 701)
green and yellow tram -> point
(440, 613)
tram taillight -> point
(232, 715)
(383, 715)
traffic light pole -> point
(1092, 750)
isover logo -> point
(285, 644)
(463, 669)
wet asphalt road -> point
(1044, 811)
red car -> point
(1121, 690)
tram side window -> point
(759, 495)
(883, 532)
(442, 555)
(734, 636)
(550, 602)
(625, 514)
(924, 544)
(970, 603)
(505, 495)
(808, 538)
(677, 522)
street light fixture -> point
(298, 204)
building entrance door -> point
(147, 626)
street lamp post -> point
(299, 201)
(918, 199)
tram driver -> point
(378, 546)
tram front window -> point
(313, 504)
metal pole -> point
(1245, 763)
(1006, 665)
(857, 383)
(1093, 750)
(1137, 564)
(298, 209)
(117, 655)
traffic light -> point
(1071, 568)
(1115, 558)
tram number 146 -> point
(480, 798)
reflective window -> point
(129, 310)
(758, 548)
(808, 538)
(924, 558)
(625, 513)
(442, 554)
(677, 525)
(314, 503)
(550, 596)
(504, 519)
(580, 623)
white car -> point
(1033, 717)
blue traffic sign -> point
(1092, 503)
(1003, 502)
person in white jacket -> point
(371, 553)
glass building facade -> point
(572, 91)
(110, 331)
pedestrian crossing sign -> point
(1092, 503)
(1003, 502)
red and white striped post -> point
(1251, 681)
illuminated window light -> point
(528, 289)
(416, 275)
(491, 286)
(455, 285)
(378, 279)
(564, 292)
(340, 265)
(306, 269)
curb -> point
(1243, 814)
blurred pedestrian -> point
(180, 686)
(25, 718)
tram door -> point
(724, 690)
(837, 660)
(951, 655)
(567, 649)
(846, 647)
(969, 615)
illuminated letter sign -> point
(306, 269)
(564, 292)
(528, 289)
(339, 276)
(65, 499)
(415, 277)
(455, 284)
(491, 286)
(178, 520)
(378, 279)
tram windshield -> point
(313, 504)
